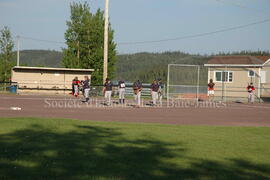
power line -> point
(41, 40)
(165, 40)
(196, 35)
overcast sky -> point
(147, 20)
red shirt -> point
(250, 88)
(76, 82)
(211, 86)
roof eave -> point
(233, 65)
(266, 62)
(51, 69)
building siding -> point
(236, 88)
(46, 79)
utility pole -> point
(18, 50)
(106, 34)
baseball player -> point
(211, 86)
(250, 89)
(154, 91)
(86, 88)
(121, 87)
(76, 84)
(137, 88)
(72, 85)
(107, 91)
(160, 91)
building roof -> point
(263, 58)
(238, 61)
(51, 69)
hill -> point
(149, 66)
(130, 67)
(40, 58)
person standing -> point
(73, 88)
(250, 89)
(160, 95)
(76, 84)
(121, 87)
(137, 88)
(154, 91)
(211, 86)
(107, 91)
(86, 88)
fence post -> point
(168, 82)
(259, 85)
(225, 84)
(198, 83)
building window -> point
(218, 76)
(224, 76)
(230, 79)
(251, 73)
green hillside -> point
(149, 66)
(40, 58)
(130, 67)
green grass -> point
(32, 148)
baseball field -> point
(41, 142)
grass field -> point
(32, 148)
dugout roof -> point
(51, 69)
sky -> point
(148, 20)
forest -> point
(144, 66)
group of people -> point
(250, 89)
(155, 88)
(84, 85)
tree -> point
(84, 39)
(6, 54)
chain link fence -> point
(190, 82)
(46, 87)
(186, 82)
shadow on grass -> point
(91, 152)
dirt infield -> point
(229, 114)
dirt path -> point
(224, 114)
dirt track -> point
(230, 115)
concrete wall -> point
(49, 80)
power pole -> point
(106, 34)
(18, 50)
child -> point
(160, 91)
(121, 87)
(107, 91)
(250, 89)
(73, 89)
(76, 84)
(211, 86)
(154, 92)
(137, 88)
(86, 88)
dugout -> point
(46, 80)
